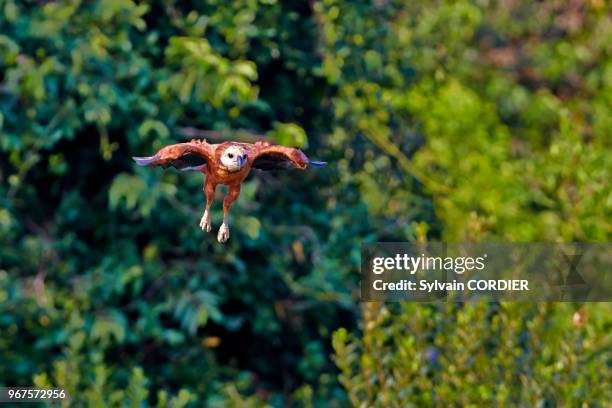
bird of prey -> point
(226, 163)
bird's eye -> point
(230, 155)
(244, 156)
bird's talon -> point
(223, 234)
(205, 222)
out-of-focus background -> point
(441, 120)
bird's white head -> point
(234, 158)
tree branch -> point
(241, 135)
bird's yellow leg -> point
(232, 195)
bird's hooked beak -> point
(241, 161)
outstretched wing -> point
(275, 157)
(184, 156)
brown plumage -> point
(226, 163)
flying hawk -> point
(226, 163)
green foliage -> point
(477, 355)
(503, 133)
(204, 72)
(440, 120)
(288, 134)
(107, 286)
(512, 150)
